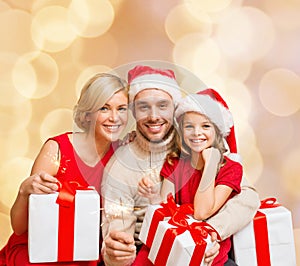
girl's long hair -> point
(181, 150)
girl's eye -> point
(188, 126)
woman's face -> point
(111, 119)
(198, 132)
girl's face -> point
(111, 119)
(198, 132)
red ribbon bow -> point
(168, 209)
(199, 232)
(66, 201)
(269, 203)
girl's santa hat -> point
(146, 77)
(211, 104)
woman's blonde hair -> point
(94, 94)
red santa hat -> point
(146, 77)
(211, 104)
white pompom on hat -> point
(211, 104)
(146, 77)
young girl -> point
(199, 172)
(101, 113)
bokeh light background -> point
(247, 50)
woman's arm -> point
(210, 198)
(41, 181)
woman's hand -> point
(39, 183)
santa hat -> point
(211, 104)
(146, 77)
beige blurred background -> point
(247, 50)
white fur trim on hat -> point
(204, 104)
(155, 81)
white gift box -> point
(182, 249)
(149, 224)
(279, 248)
(43, 227)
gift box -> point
(157, 213)
(268, 239)
(180, 244)
(64, 226)
(153, 216)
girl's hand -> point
(210, 154)
(39, 183)
(147, 188)
(128, 138)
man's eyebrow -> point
(141, 102)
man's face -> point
(154, 112)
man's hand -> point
(213, 251)
(119, 249)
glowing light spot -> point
(279, 92)
(253, 158)
(4, 6)
(290, 173)
(91, 18)
(236, 68)
(15, 118)
(87, 73)
(51, 30)
(201, 56)
(285, 14)
(15, 27)
(270, 133)
(15, 171)
(251, 38)
(245, 137)
(35, 75)
(5, 228)
(196, 6)
(238, 99)
(180, 22)
(13, 143)
(9, 96)
(56, 122)
(81, 51)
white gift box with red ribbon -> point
(180, 244)
(268, 239)
(158, 213)
(64, 226)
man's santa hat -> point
(212, 105)
(146, 77)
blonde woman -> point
(101, 113)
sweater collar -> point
(155, 147)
